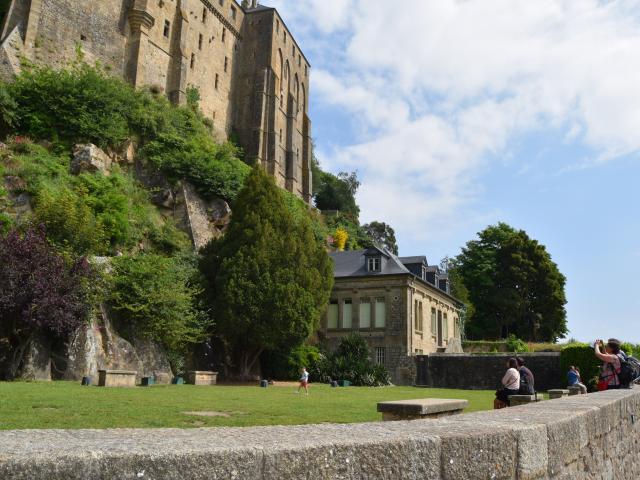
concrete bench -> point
(117, 378)
(199, 377)
(574, 390)
(557, 393)
(421, 408)
(515, 400)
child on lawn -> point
(304, 381)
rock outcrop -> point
(98, 346)
(89, 158)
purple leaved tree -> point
(41, 292)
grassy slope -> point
(68, 405)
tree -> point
(383, 235)
(268, 279)
(338, 193)
(458, 289)
(156, 297)
(514, 286)
(40, 292)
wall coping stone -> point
(535, 441)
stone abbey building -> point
(252, 76)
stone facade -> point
(252, 77)
(400, 315)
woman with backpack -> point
(612, 358)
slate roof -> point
(414, 260)
(352, 264)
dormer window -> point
(424, 273)
(374, 264)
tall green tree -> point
(514, 286)
(268, 278)
(383, 235)
(338, 193)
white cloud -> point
(435, 88)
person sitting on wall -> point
(527, 382)
(611, 367)
(573, 378)
(510, 385)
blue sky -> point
(458, 114)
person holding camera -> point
(611, 363)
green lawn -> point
(69, 405)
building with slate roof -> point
(402, 306)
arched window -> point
(279, 69)
(304, 99)
(287, 74)
(296, 92)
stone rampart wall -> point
(594, 436)
(484, 372)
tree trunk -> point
(247, 361)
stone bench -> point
(199, 377)
(420, 408)
(558, 393)
(117, 378)
(515, 400)
(575, 390)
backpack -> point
(629, 370)
(525, 388)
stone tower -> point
(252, 76)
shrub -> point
(156, 297)
(40, 292)
(514, 344)
(351, 361)
(84, 104)
(287, 365)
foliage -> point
(383, 235)
(514, 286)
(340, 238)
(82, 104)
(267, 279)
(514, 344)
(338, 193)
(283, 365)
(459, 291)
(156, 297)
(90, 213)
(357, 236)
(40, 292)
(351, 361)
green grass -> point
(25, 405)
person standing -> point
(304, 381)
(611, 358)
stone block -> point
(117, 378)
(421, 408)
(515, 400)
(557, 393)
(199, 377)
(574, 390)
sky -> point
(458, 114)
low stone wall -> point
(588, 437)
(484, 372)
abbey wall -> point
(251, 75)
